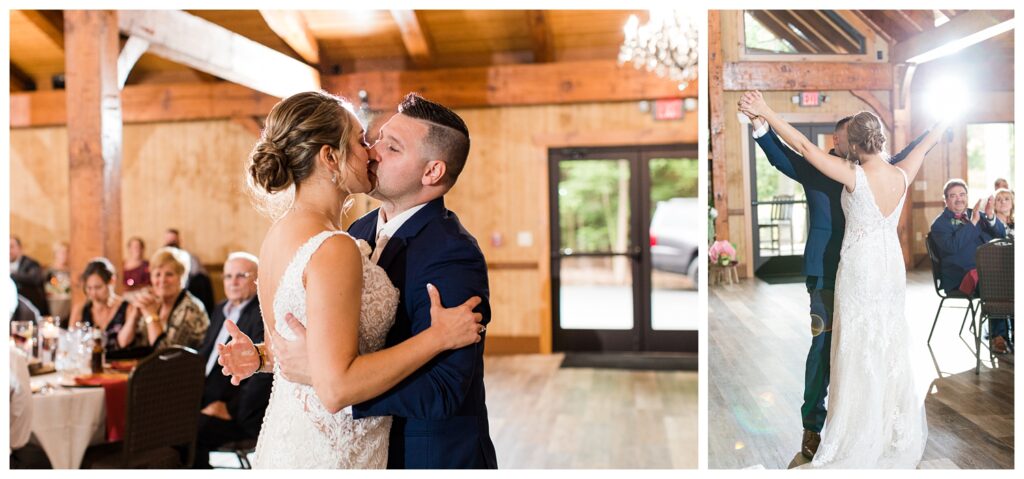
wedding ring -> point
(482, 329)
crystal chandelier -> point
(665, 45)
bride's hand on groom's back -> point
(458, 326)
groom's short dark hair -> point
(843, 121)
(447, 134)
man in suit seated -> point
(29, 276)
(958, 232)
(232, 413)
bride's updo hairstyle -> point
(865, 134)
(295, 131)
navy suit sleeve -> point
(779, 155)
(997, 230)
(902, 155)
(439, 388)
(951, 239)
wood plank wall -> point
(188, 175)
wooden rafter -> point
(901, 17)
(837, 35)
(779, 28)
(540, 36)
(819, 38)
(50, 22)
(205, 46)
(414, 36)
(21, 81)
(793, 76)
(888, 24)
(132, 50)
(863, 16)
(967, 29)
(922, 19)
(291, 26)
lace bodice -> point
(875, 413)
(298, 432)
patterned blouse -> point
(187, 324)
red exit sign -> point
(671, 109)
(810, 98)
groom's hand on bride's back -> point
(290, 356)
(455, 327)
(237, 358)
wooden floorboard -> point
(545, 417)
(757, 345)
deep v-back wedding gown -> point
(876, 416)
(298, 432)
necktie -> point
(382, 241)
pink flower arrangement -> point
(722, 252)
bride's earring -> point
(334, 178)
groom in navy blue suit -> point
(821, 261)
(440, 415)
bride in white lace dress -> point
(876, 415)
(322, 276)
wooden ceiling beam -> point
(820, 38)
(531, 84)
(194, 42)
(888, 24)
(21, 81)
(414, 36)
(50, 22)
(796, 76)
(863, 16)
(511, 85)
(291, 26)
(541, 37)
(922, 19)
(961, 32)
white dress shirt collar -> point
(391, 226)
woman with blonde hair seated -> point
(170, 315)
(1004, 209)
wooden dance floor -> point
(757, 345)
(544, 417)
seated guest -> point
(171, 316)
(1004, 209)
(22, 454)
(199, 283)
(29, 277)
(136, 268)
(104, 309)
(958, 232)
(1001, 184)
(232, 413)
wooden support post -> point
(94, 137)
(902, 75)
(717, 105)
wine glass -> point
(48, 331)
(23, 333)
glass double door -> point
(626, 225)
(779, 212)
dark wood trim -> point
(540, 36)
(20, 80)
(505, 345)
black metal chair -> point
(164, 392)
(994, 261)
(955, 294)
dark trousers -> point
(816, 375)
(213, 433)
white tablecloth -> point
(67, 420)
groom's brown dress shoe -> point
(810, 443)
(998, 345)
